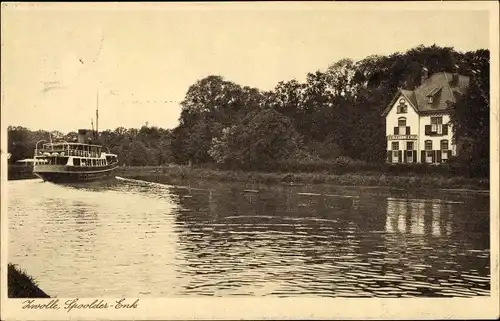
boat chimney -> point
(82, 136)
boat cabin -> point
(74, 154)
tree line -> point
(334, 113)
(135, 147)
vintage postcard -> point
(240, 160)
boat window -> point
(76, 161)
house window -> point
(428, 151)
(444, 144)
(430, 99)
(409, 152)
(402, 125)
(437, 125)
(428, 145)
(395, 152)
(402, 109)
(444, 149)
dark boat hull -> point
(62, 175)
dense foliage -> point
(146, 146)
(334, 113)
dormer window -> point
(432, 94)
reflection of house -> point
(417, 122)
(417, 217)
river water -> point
(132, 238)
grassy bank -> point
(373, 178)
(21, 285)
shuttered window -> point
(445, 153)
(444, 144)
(428, 152)
(437, 125)
(395, 152)
(402, 125)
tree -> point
(470, 120)
(210, 105)
(263, 136)
(19, 144)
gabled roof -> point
(440, 86)
(408, 94)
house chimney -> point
(425, 75)
(82, 136)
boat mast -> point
(97, 117)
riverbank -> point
(407, 180)
(21, 285)
(16, 172)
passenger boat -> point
(73, 162)
(79, 161)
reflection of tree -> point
(235, 241)
(260, 233)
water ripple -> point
(164, 240)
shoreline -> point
(21, 285)
(371, 179)
(180, 174)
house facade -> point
(418, 128)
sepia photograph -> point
(213, 154)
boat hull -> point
(64, 175)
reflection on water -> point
(133, 238)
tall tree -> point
(471, 116)
(262, 137)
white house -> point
(417, 121)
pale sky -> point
(53, 61)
